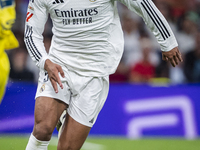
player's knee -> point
(43, 132)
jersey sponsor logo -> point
(76, 13)
(28, 16)
(83, 16)
(58, 1)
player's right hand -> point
(53, 70)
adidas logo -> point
(91, 121)
(58, 1)
(46, 78)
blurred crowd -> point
(142, 60)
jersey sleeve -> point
(155, 22)
(36, 18)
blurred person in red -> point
(143, 70)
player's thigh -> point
(73, 135)
(47, 112)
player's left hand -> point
(173, 56)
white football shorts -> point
(84, 95)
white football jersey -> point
(87, 34)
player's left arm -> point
(159, 26)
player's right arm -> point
(37, 15)
(35, 21)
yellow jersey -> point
(7, 40)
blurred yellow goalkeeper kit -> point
(7, 40)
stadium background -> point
(152, 111)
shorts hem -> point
(81, 122)
(52, 97)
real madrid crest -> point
(42, 88)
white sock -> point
(35, 144)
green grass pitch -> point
(95, 143)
